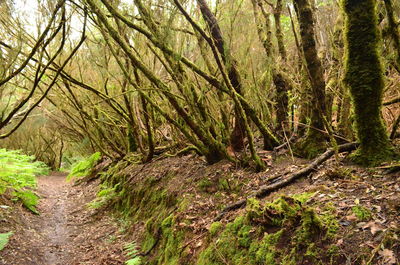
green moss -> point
(283, 211)
(215, 228)
(167, 222)
(253, 208)
(311, 223)
(148, 242)
(364, 77)
(205, 184)
(290, 258)
(185, 202)
(265, 252)
(310, 146)
(244, 238)
(333, 251)
(303, 197)
(231, 245)
(171, 242)
(284, 231)
(223, 184)
(312, 251)
(362, 213)
(329, 221)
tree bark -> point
(312, 143)
(364, 76)
(238, 134)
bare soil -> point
(66, 232)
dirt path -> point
(54, 225)
(66, 232)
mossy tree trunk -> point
(280, 80)
(311, 145)
(238, 134)
(364, 78)
(278, 28)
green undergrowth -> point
(132, 252)
(18, 177)
(285, 231)
(149, 201)
(83, 167)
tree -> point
(312, 144)
(364, 77)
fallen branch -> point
(267, 189)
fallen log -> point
(267, 189)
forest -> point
(199, 132)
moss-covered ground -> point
(169, 207)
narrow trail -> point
(66, 232)
(54, 226)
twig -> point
(288, 144)
(376, 249)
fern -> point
(28, 198)
(83, 168)
(132, 252)
(18, 175)
(104, 196)
(4, 238)
(134, 261)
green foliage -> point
(132, 252)
(104, 197)
(4, 238)
(29, 199)
(18, 175)
(83, 168)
